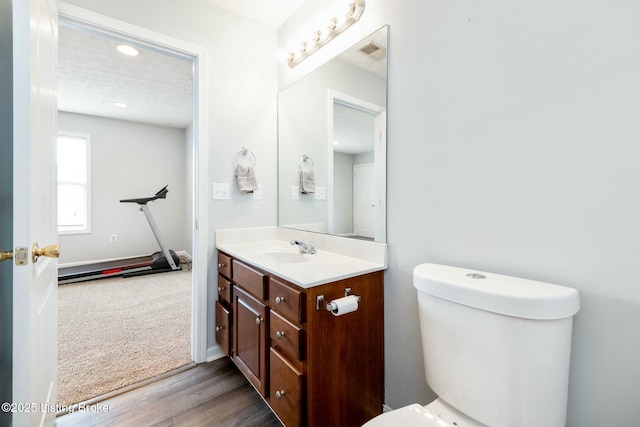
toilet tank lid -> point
(511, 296)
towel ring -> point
(306, 161)
(244, 154)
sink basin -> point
(282, 257)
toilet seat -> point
(413, 415)
(435, 414)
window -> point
(73, 183)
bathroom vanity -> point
(312, 367)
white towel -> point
(246, 179)
(307, 182)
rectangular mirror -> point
(332, 145)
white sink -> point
(282, 257)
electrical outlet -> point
(113, 238)
(220, 190)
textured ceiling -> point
(156, 86)
(92, 75)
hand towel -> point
(307, 182)
(246, 179)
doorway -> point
(357, 157)
(197, 152)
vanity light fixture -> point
(298, 50)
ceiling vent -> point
(374, 51)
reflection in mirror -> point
(335, 117)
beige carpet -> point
(116, 332)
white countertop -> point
(279, 257)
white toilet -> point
(496, 350)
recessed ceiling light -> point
(128, 50)
(120, 105)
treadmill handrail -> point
(161, 194)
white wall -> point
(129, 160)
(513, 148)
(343, 193)
(242, 102)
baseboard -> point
(184, 254)
(214, 353)
(386, 408)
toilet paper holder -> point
(321, 303)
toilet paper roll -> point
(344, 305)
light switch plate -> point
(220, 190)
(257, 193)
(321, 193)
(295, 192)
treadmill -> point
(159, 262)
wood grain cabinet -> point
(311, 367)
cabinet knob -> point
(280, 334)
(220, 288)
(279, 300)
(219, 328)
(279, 394)
(259, 320)
(220, 265)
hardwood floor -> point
(210, 394)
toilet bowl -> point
(496, 350)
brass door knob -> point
(51, 251)
(5, 255)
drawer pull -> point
(259, 320)
(219, 328)
(220, 265)
(279, 394)
(280, 334)
(220, 288)
(279, 300)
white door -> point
(363, 200)
(35, 32)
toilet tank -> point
(495, 347)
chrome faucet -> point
(305, 247)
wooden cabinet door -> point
(251, 335)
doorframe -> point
(199, 54)
(333, 96)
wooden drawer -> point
(251, 280)
(223, 329)
(286, 300)
(224, 289)
(287, 338)
(224, 265)
(286, 390)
